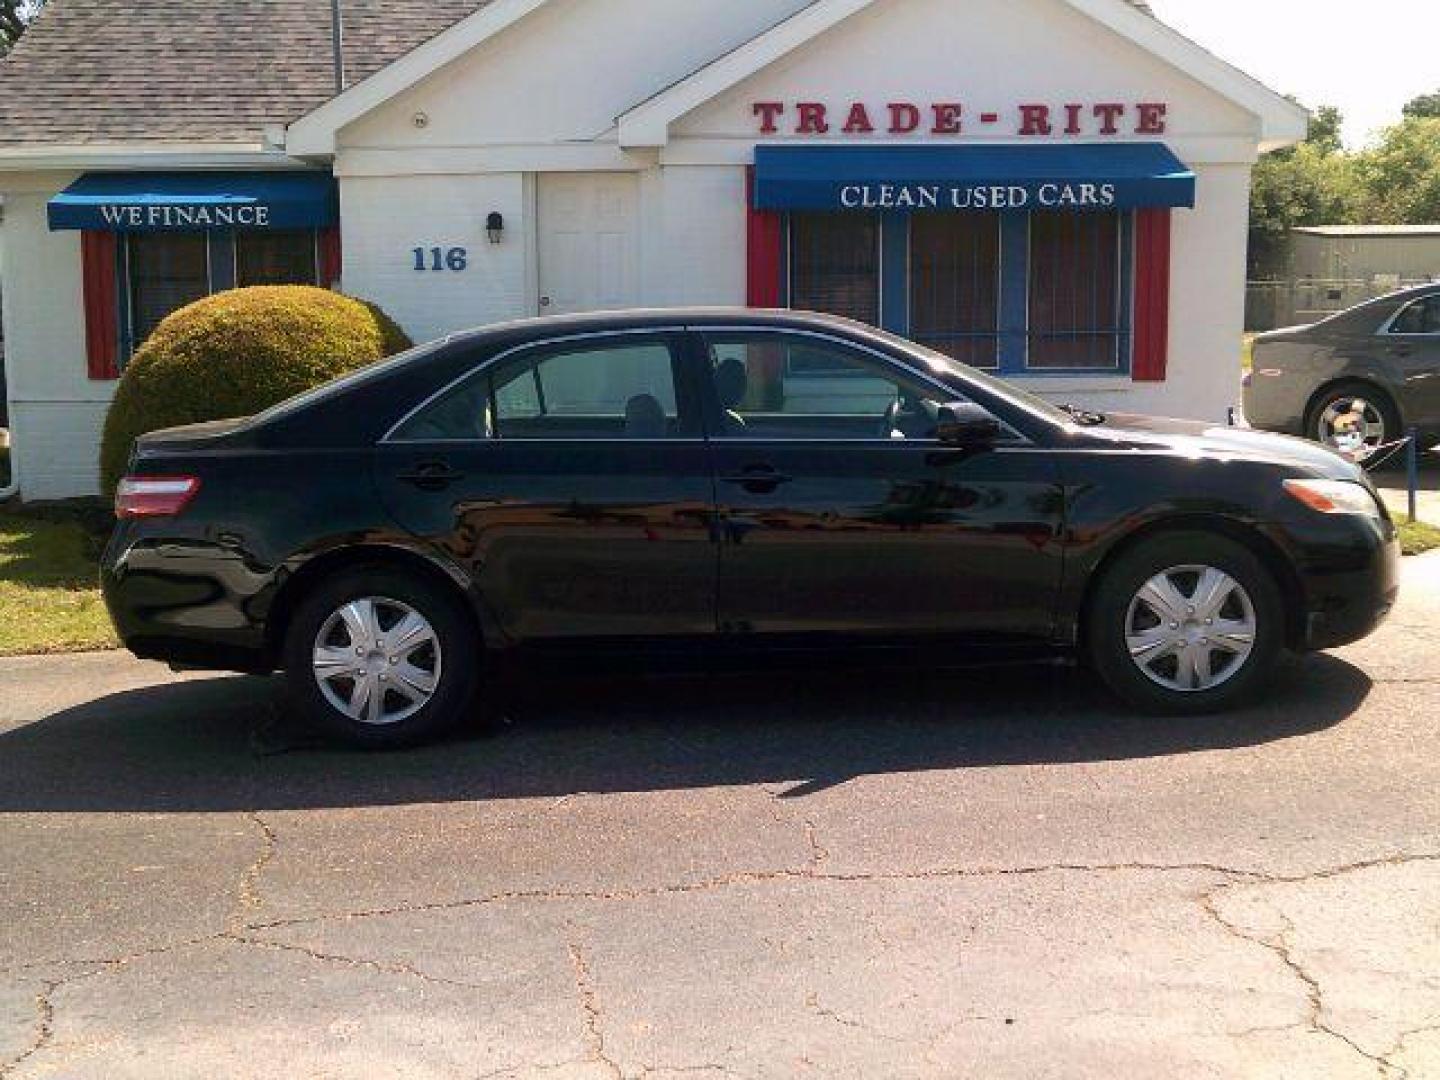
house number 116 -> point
(435, 259)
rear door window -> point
(621, 388)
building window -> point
(955, 286)
(1076, 319)
(166, 271)
(279, 257)
(835, 265)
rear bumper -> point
(190, 604)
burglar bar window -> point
(166, 272)
(1075, 316)
(278, 257)
(955, 286)
(835, 268)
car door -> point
(571, 480)
(840, 513)
(1412, 345)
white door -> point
(589, 241)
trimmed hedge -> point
(237, 353)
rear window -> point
(347, 382)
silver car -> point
(1356, 381)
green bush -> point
(237, 353)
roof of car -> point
(519, 331)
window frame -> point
(700, 341)
(1388, 329)
(789, 261)
(1123, 334)
(997, 336)
(222, 271)
(690, 413)
(125, 286)
(237, 234)
(1013, 290)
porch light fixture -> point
(495, 226)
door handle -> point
(758, 479)
(431, 476)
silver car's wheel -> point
(1352, 425)
(377, 661)
(1191, 628)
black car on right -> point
(1356, 381)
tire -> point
(1383, 404)
(1118, 610)
(427, 684)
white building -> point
(1053, 189)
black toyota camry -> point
(707, 482)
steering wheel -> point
(890, 420)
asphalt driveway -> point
(991, 874)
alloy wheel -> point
(377, 661)
(1191, 628)
(1352, 425)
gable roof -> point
(648, 124)
(195, 71)
(91, 73)
(314, 135)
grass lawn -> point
(1416, 537)
(49, 596)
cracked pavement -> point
(972, 873)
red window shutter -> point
(762, 285)
(330, 257)
(1152, 295)
(102, 325)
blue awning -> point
(1080, 176)
(172, 201)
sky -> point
(1367, 58)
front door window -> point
(782, 386)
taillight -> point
(154, 496)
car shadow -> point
(222, 744)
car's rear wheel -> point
(381, 658)
(1353, 419)
(1185, 622)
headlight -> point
(1334, 496)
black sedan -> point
(1355, 381)
(700, 483)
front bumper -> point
(1349, 587)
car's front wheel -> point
(381, 658)
(1185, 622)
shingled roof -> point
(210, 71)
(214, 71)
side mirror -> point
(963, 423)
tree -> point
(1400, 176)
(15, 15)
(1327, 124)
(1424, 107)
(1314, 183)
